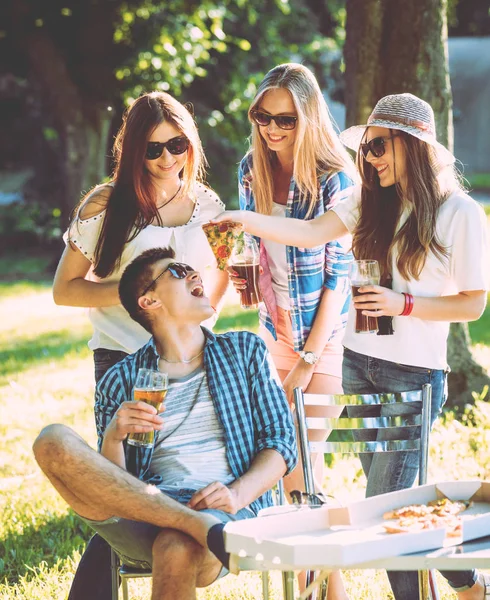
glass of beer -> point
(364, 272)
(245, 260)
(150, 387)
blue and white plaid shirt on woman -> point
(310, 270)
(248, 398)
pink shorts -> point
(285, 357)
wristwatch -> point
(310, 358)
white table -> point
(474, 554)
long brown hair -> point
(427, 187)
(317, 148)
(132, 205)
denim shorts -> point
(133, 540)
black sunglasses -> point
(177, 145)
(376, 146)
(264, 119)
(177, 270)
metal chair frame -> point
(122, 572)
(420, 404)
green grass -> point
(479, 181)
(29, 265)
(46, 375)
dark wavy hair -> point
(132, 205)
(375, 236)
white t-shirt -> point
(113, 328)
(461, 228)
(190, 450)
(278, 264)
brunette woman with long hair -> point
(156, 197)
(411, 215)
(297, 167)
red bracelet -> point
(408, 305)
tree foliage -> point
(76, 65)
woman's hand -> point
(232, 216)
(238, 282)
(133, 417)
(377, 301)
(299, 376)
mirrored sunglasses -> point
(177, 145)
(177, 270)
(376, 146)
(282, 121)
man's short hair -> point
(138, 276)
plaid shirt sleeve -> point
(244, 189)
(338, 253)
(111, 391)
(274, 428)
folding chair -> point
(122, 572)
(405, 414)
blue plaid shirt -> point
(249, 402)
(310, 270)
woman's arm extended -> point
(292, 232)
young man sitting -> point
(225, 437)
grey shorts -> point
(133, 540)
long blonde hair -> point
(317, 147)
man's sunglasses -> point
(264, 119)
(177, 270)
(376, 146)
(177, 145)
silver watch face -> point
(309, 358)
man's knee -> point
(176, 547)
(49, 443)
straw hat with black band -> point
(404, 112)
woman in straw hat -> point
(411, 215)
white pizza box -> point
(343, 536)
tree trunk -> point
(82, 128)
(395, 46)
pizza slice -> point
(222, 238)
(420, 517)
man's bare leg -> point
(97, 489)
(180, 565)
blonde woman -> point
(429, 236)
(297, 168)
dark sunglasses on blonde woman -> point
(177, 145)
(177, 270)
(282, 121)
(376, 146)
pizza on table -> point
(419, 517)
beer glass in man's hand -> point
(245, 260)
(364, 272)
(150, 387)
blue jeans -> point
(388, 472)
(93, 576)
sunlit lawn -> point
(46, 376)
